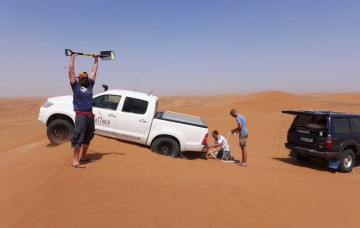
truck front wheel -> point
(59, 131)
(166, 146)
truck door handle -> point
(112, 115)
(142, 121)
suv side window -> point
(109, 102)
(341, 125)
(356, 124)
(134, 105)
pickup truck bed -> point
(181, 118)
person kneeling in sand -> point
(220, 141)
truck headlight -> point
(46, 104)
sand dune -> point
(129, 186)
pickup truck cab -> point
(130, 116)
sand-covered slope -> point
(129, 186)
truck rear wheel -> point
(347, 161)
(59, 131)
(166, 146)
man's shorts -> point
(243, 139)
(84, 130)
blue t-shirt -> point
(83, 96)
(241, 119)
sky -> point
(187, 47)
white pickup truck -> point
(129, 116)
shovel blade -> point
(107, 55)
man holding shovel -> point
(84, 120)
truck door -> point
(104, 108)
(133, 121)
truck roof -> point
(134, 94)
(318, 113)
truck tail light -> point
(205, 139)
(328, 143)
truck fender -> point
(52, 115)
(171, 134)
(352, 144)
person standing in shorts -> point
(84, 119)
(243, 134)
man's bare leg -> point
(76, 156)
(244, 155)
(84, 152)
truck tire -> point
(347, 161)
(59, 131)
(166, 146)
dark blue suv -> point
(333, 136)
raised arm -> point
(72, 74)
(95, 67)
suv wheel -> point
(347, 161)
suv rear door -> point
(309, 129)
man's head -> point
(233, 112)
(84, 79)
(215, 134)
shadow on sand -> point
(318, 165)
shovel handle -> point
(69, 52)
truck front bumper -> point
(309, 152)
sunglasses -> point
(82, 78)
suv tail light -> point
(205, 139)
(287, 136)
(328, 143)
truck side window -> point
(109, 102)
(134, 105)
(341, 125)
(356, 124)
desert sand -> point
(129, 186)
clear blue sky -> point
(187, 47)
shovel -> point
(104, 55)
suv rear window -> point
(302, 120)
(311, 122)
(341, 125)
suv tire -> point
(347, 161)
(166, 146)
(59, 131)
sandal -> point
(241, 164)
(79, 166)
